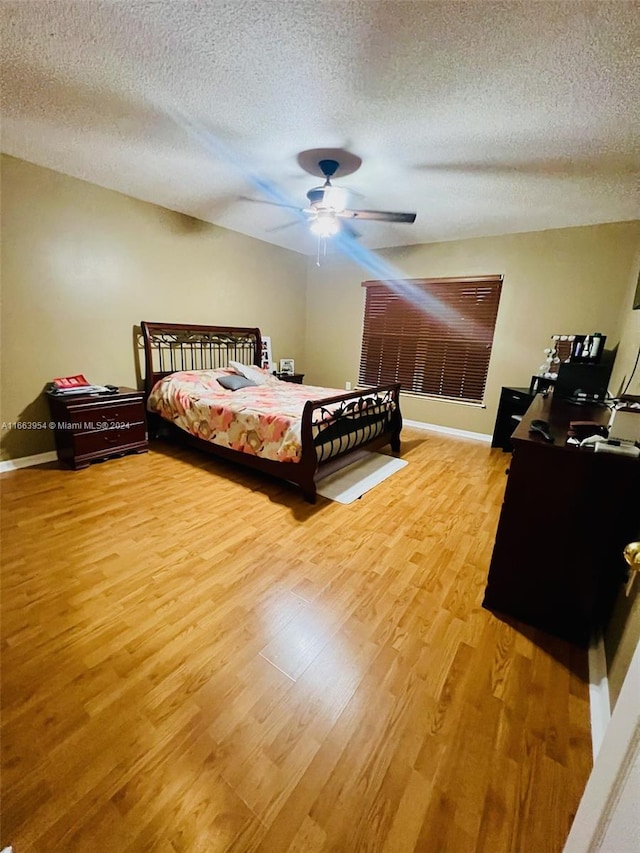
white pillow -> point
(251, 371)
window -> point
(434, 336)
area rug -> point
(350, 483)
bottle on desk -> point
(594, 351)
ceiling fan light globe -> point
(325, 226)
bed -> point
(310, 431)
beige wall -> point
(81, 266)
(623, 376)
(560, 281)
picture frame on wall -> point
(287, 366)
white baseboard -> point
(461, 433)
(599, 702)
(27, 461)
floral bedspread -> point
(263, 420)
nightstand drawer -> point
(103, 415)
(104, 442)
(522, 397)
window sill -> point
(432, 398)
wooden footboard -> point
(333, 437)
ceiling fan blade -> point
(379, 215)
(272, 203)
(349, 230)
(286, 225)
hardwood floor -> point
(194, 659)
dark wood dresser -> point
(567, 515)
(92, 427)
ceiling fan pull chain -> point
(322, 240)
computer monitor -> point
(585, 383)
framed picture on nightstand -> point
(287, 366)
(265, 357)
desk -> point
(557, 561)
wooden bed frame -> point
(170, 347)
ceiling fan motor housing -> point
(328, 167)
(329, 201)
(316, 196)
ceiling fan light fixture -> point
(328, 197)
(327, 211)
(335, 198)
(325, 224)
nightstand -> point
(92, 427)
(291, 377)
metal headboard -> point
(169, 347)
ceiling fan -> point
(327, 207)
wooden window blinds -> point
(434, 336)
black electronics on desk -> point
(585, 383)
(583, 373)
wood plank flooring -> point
(194, 659)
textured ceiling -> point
(483, 118)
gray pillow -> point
(232, 383)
